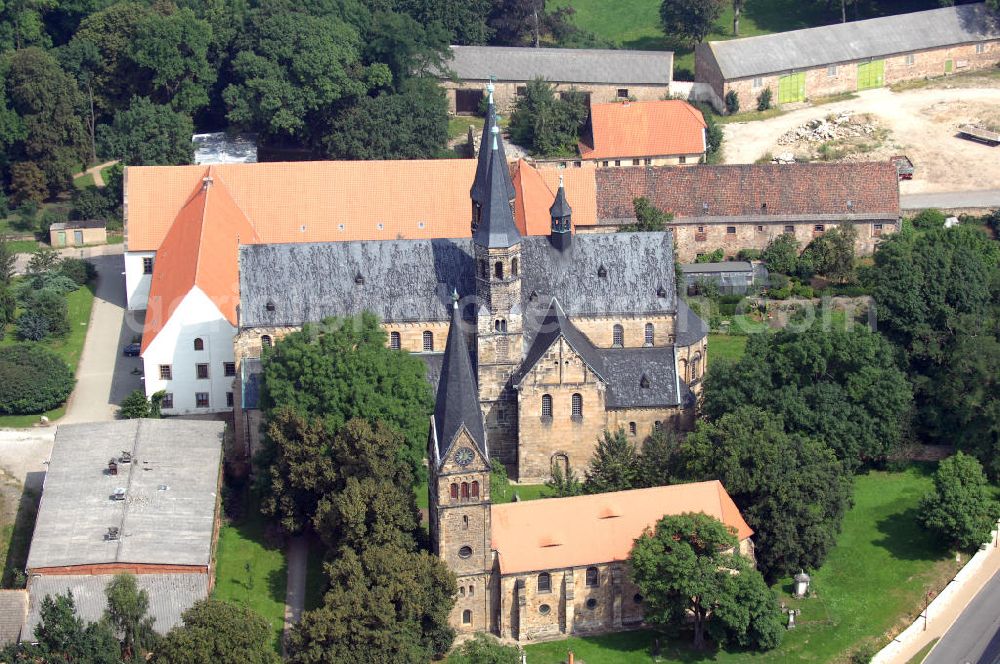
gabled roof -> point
(856, 40)
(562, 65)
(865, 190)
(556, 533)
(690, 327)
(199, 250)
(457, 405)
(553, 326)
(644, 129)
(496, 227)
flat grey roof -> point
(13, 608)
(857, 40)
(727, 266)
(168, 514)
(170, 595)
(562, 65)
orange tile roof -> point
(644, 129)
(200, 249)
(318, 201)
(536, 189)
(586, 530)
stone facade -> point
(659, 160)
(506, 92)
(836, 78)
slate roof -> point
(410, 280)
(170, 595)
(480, 185)
(563, 65)
(172, 525)
(13, 609)
(496, 228)
(457, 404)
(689, 329)
(856, 40)
(867, 190)
(560, 206)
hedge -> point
(33, 379)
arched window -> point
(632, 429)
(428, 341)
(394, 341)
(498, 270)
(474, 489)
(513, 267)
(454, 491)
(461, 591)
(465, 523)
(265, 341)
(199, 344)
(465, 490)
(483, 269)
(618, 336)
(593, 576)
(684, 371)
(657, 426)
(546, 405)
(577, 405)
(472, 591)
(649, 334)
(467, 617)
(696, 367)
(544, 582)
(500, 325)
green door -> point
(792, 88)
(947, 66)
(871, 74)
(61, 238)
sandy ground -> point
(922, 122)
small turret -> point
(561, 232)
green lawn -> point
(728, 347)
(635, 24)
(79, 304)
(923, 652)
(249, 572)
(871, 585)
(84, 181)
(458, 126)
(15, 534)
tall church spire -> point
(480, 185)
(496, 228)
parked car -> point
(133, 350)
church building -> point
(572, 333)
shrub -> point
(780, 293)
(748, 255)
(53, 282)
(801, 290)
(134, 406)
(32, 326)
(712, 257)
(778, 280)
(732, 102)
(764, 100)
(928, 219)
(51, 305)
(781, 254)
(80, 271)
(43, 260)
(48, 218)
(32, 380)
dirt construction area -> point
(920, 123)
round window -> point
(591, 603)
(544, 609)
(637, 598)
(465, 552)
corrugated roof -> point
(170, 595)
(644, 129)
(752, 190)
(315, 201)
(562, 65)
(13, 610)
(728, 266)
(164, 526)
(586, 530)
(857, 40)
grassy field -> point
(635, 24)
(728, 347)
(17, 522)
(84, 181)
(871, 585)
(251, 573)
(458, 126)
(79, 304)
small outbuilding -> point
(846, 57)
(731, 277)
(647, 133)
(604, 75)
(78, 233)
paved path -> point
(939, 622)
(21, 260)
(952, 199)
(104, 376)
(295, 592)
(975, 636)
(96, 172)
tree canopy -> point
(148, 134)
(692, 19)
(614, 466)
(216, 632)
(686, 566)
(961, 508)
(545, 124)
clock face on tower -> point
(464, 456)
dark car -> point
(132, 350)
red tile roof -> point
(536, 190)
(587, 530)
(644, 129)
(752, 189)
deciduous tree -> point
(614, 466)
(216, 632)
(648, 217)
(148, 134)
(781, 254)
(547, 125)
(691, 19)
(961, 508)
(127, 614)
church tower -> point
(459, 486)
(561, 232)
(497, 248)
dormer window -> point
(359, 279)
(644, 382)
(602, 272)
(661, 292)
(269, 306)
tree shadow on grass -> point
(905, 538)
